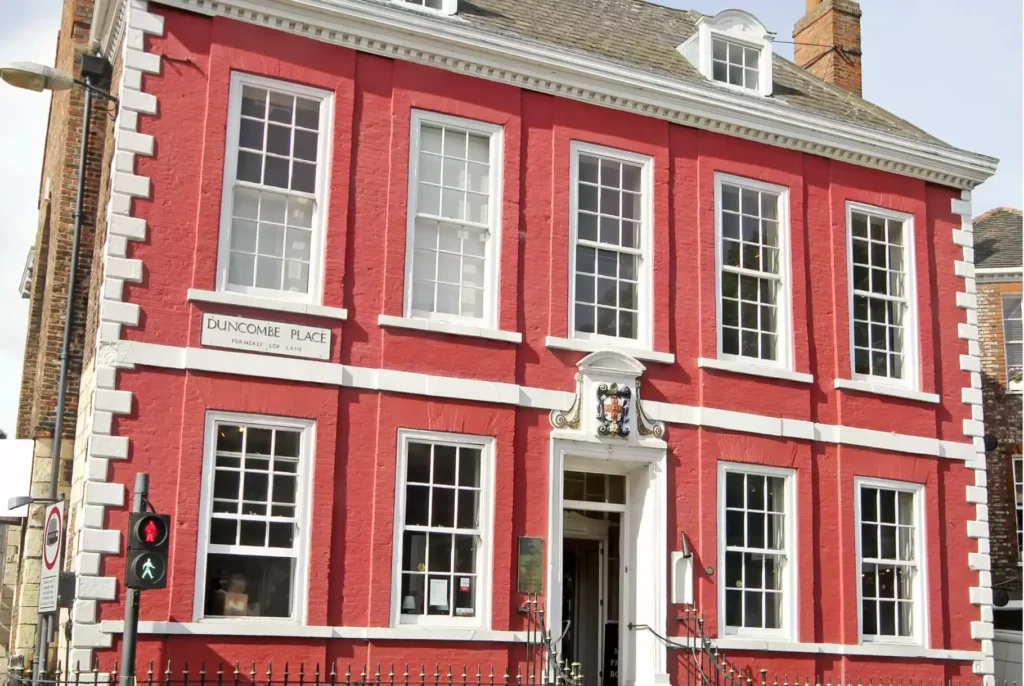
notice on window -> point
(439, 593)
(262, 336)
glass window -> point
(441, 533)
(278, 147)
(607, 258)
(1013, 338)
(255, 520)
(441, 6)
(756, 554)
(881, 309)
(454, 218)
(889, 562)
(734, 64)
(752, 287)
(1018, 494)
(594, 488)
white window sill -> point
(754, 369)
(884, 389)
(263, 303)
(437, 326)
(587, 346)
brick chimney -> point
(827, 41)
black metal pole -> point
(45, 622)
(131, 605)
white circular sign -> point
(51, 544)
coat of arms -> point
(613, 410)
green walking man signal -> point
(148, 536)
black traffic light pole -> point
(131, 605)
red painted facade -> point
(353, 489)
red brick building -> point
(998, 262)
(408, 308)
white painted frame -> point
(643, 593)
(790, 572)
(320, 198)
(1006, 358)
(645, 282)
(1016, 460)
(920, 611)
(448, 7)
(911, 352)
(492, 261)
(731, 26)
(784, 328)
(304, 499)
(485, 551)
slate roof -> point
(998, 237)
(644, 36)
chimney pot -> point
(827, 41)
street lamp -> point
(39, 77)
(36, 77)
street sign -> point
(53, 543)
(148, 536)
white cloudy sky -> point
(929, 61)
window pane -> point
(248, 586)
(413, 594)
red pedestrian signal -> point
(149, 532)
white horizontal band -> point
(272, 628)
(313, 371)
(900, 650)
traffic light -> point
(148, 536)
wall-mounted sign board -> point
(262, 336)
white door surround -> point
(580, 442)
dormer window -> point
(733, 49)
(734, 64)
(434, 6)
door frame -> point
(643, 589)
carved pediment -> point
(607, 404)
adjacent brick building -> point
(381, 284)
(46, 287)
(999, 263)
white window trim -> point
(450, 328)
(448, 7)
(260, 303)
(303, 509)
(317, 251)
(492, 258)
(645, 284)
(790, 573)
(1002, 322)
(784, 330)
(921, 633)
(911, 354)
(736, 26)
(1017, 521)
(485, 554)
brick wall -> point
(1003, 420)
(48, 300)
(54, 239)
(832, 24)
